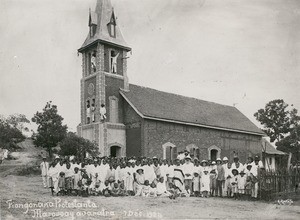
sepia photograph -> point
(149, 109)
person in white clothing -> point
(44, 166)
(224, 164)
(188, 171)
(114, 58)
(102, 112)
(257, 165)
(237, 164)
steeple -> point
(104, 27)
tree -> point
(50, 129)
(281, 125)
(291, 142)
(9, 134)
(77, 146)
(275, 119)
(18, 121)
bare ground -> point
(18, 191)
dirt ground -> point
(23, 197)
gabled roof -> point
(104, 13)
(158, 105)
(269, 148)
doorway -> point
(115, 151)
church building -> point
(131, 120)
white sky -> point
(229, 51)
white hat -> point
(213, 163)
(188, 157)
(56, 157)
(218, 159)
(225, 158)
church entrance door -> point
(115, 151)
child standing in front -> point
(241, 184)
(234, 182)
(196, 184)
(205, 183)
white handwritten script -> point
(74, 209)
(285, 202)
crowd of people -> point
(151, 177)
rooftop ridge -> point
(183, 96)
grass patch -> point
(27, 170)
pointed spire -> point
(103, 16)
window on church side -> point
(92, 30)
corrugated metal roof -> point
(168, 106)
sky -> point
(233, 52)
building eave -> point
(80, 50)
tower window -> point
(113, 30)
(93, 30)
(112, 25)
(113, 61)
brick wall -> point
(133, 124)
(112, 88)
(156, 133)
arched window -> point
(214, 152)
(169, 151)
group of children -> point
(151, 177)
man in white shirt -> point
(44, 170)
(188, 170)
(257, 165)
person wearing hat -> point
(188, 170)
(224, 164)
(205, 183)
(204, 166)
(241, 182)
(220, 178)
(139, 181)
(228, 175)
(44, 166)
(234, 183)
(257, 165)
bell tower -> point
(104, 73)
